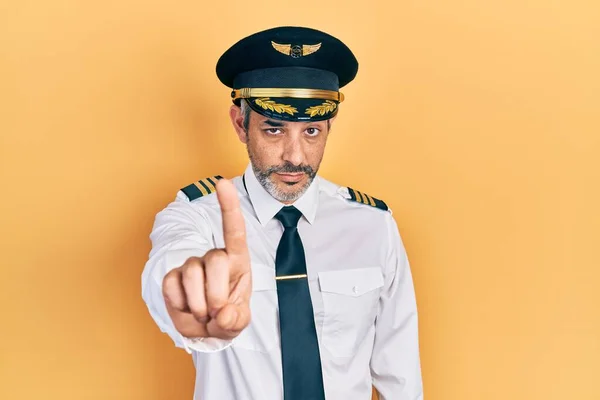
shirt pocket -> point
(350, 299)
(262, 334)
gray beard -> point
(264, 178)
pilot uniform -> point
(342, 317)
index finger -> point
(234, 227)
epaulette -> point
(201, 188)
(364, 198)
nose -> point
(293, 151)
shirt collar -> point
(266, 206)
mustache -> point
(289, 168)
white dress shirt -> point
(360, 285)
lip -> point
(291, 177)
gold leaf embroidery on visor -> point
(322, 109)
(268, 104)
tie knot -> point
(289, 216)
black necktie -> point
(302, 376)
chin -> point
(287, 191)
(290, 190)
(284, 191)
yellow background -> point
(477, 121)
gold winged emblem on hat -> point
(296, 50)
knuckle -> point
(214, 257)
(171, 280)
(192, 272)
(236, 237)
(192, 262)
(238, 233)
(198, 310)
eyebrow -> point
(276, 124)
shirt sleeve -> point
(395, 363)
(180, 231)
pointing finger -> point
(216, 271)
(234, 228)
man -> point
(283, 285)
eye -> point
(313, 131)
(272, 131)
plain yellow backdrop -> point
(478, 122)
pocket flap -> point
(351, 282)
(263, 278)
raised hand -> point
(209, 296)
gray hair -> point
(246, 113)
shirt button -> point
(355, 289)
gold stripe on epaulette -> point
(213, 181)
(201, 188)
(371, 202)
(364, 198)
(210, 186)
(358, 196)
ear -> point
(237, 119)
